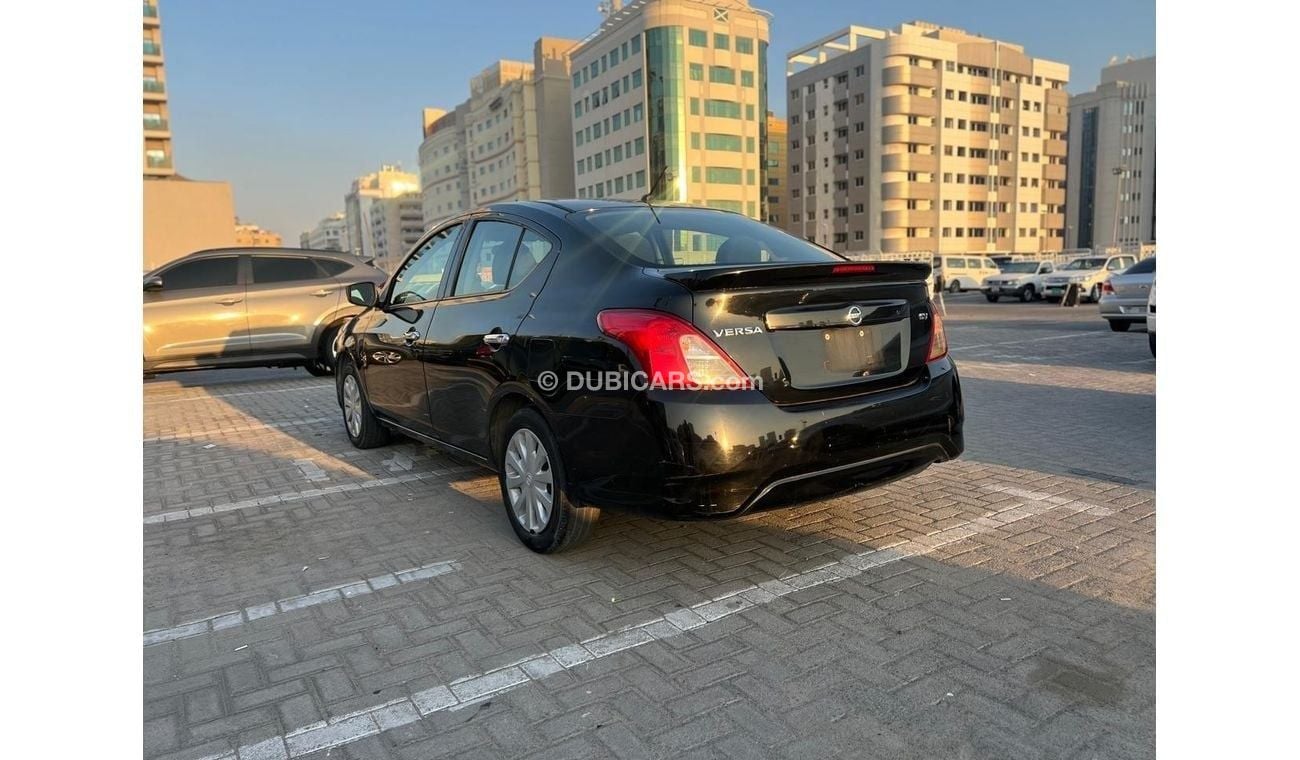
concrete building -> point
(329, 234)
(396, 225)
(157, 128)
(1111, 198)
(778, 211)
(508, 141)
(389, 182)
(675, 86)
(253, 236)
(926, 139)
(182, 216)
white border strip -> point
(188, 435)
(213, 396)
(332, 594)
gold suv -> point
(260, 307)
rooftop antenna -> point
(664, 174)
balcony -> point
(1054, 171)
(150, 14)
(904, 218)
(158, 165)
(1054, 195)
(911, 105)
(152, 49)
(909, 162)
(1054, 221)
(1054, 147)
(910, 75)
(1054, 122)
(153, 85)
(907, 245)
(156, 125)
(908, 133)
(905, 190)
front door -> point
(198, 315)
(390, 338)
(468, 351)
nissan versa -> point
(684, 362)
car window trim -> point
(497, 216)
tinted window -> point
(422, 273)
(333, 268)
(974, 263)
(683, 237)
(1145, 266)
(532, 249)
(955, 263)
(269, 269)
(204, 273)
(486, 265)
(1117, 264)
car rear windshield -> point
(1145, 266)
(1020, 267)
(1085, 264)
(677, 237)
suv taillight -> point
(671, 351)
(938, 338)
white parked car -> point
(1151, 317)
(1088, 272)
(1019, 279)
(963, 272)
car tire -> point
(1119, 325)
(992, 297)
(1027, 294)
(364, 430)
(544, 518)
(1151, 341)
(954, 287)
(1094, 294)
(323, 364)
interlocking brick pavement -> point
(1014, 618)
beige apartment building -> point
(389, 182)
(253, 236)
(676, 88)
(777, 148)
(508, 141)
(926, 139)
(396, 225)
(1111, 198)
(157, 129)
(329, 234)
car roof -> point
(565, 206)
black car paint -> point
(675, 453)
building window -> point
(746, 79)
(728, 109)
(721, 41)
(722, 75)
(745, 45)
(722, 175)
(697, 72)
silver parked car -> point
(1124, 296)
(249, 307)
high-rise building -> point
(777, 203)
(926, 139)
(396, 225)
(329, 234)
(678, 89)
(389, 182)
(157, 129)
(1111, 198)
(253, 236)
(508, 141)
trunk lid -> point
(815, 332)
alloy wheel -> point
(530, 483)
(352, 405)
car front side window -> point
(215, 272)
(421, 274)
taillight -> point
(671, 351)
(853, 268)
(1107, 288)
(938, 339)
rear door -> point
(199, 313)
(287, 297)
(469, 342)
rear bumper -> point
(1125, 309)
(699, 455)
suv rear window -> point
(675, 237)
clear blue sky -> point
(289, 100)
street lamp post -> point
(1118, 171)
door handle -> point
(230, 301)
(323, 292)
(496, 340)
(410, 336)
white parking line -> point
(177, 515)
(207, 397)
(463, 692)
(310, 470)
(1065, 502)
(239, 429)
(321, 596)
(958, 347)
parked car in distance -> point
(1124, 296)
(1151, 317)
(963, 272)
(680, 361)
(1022, 279)
(1088, 272)
(249, 307)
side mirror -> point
(363, 294)
(153, 283)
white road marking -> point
(335, 593)
(266, 501)
(469, 690)
(1064, 502)
(208, 397)
(958, 347)
(239, 429)
(310, 470)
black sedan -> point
(679, 361)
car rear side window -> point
(333, 267)
(532, 249)
(485, 267)
(217, 272)
(955, 263)
(272, 269)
